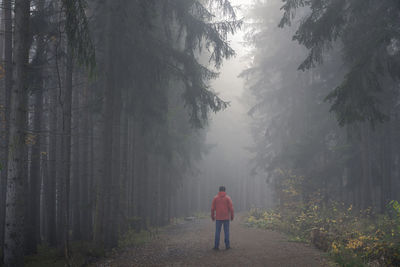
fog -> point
(228, 162)
(124, 124)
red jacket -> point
(222, 206)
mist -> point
(133, 132)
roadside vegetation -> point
(351, 236)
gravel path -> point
(190, 244)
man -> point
(222, 211)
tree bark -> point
(49, 189)
(66, 146)
(104, 198)
(85, 212)
(76, 166)
(8, 83)
(33, 220)
(115, 163)
(16, 183)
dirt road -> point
(190, 244)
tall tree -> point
(37, 84)
(16, 183)
(8, 70)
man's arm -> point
(213, 210)
(231, 209)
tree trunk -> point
(116, 164)
(76, 165)
(33, 220)
(16, 183)
(66, 146)
(124, 187)
(91, 182)
(8, 67)
(386, 161)
(366, 187)
(131, 156)
(49, 183)
(107, 138)
(85, 212)
(104, 198)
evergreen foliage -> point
(78, 34)
(342, 159)
(368, 34)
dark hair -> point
(222, 188)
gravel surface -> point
(190, 244)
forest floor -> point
(190, 244)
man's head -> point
(222, 188)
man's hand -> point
(231, 218)
(212, 218)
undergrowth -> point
(352, 238)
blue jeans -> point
(218, 225)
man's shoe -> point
(214, 248)
(228, 248)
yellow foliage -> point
(335, 247)
(354, 244)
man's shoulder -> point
(228, 197)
